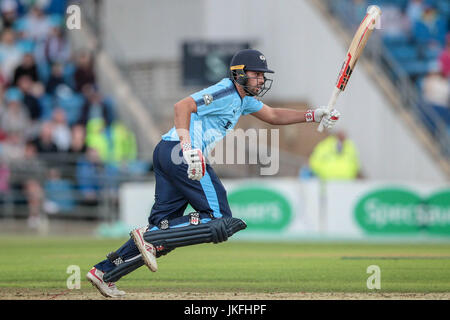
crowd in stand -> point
(60, 139)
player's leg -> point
(169, 202)
(214, 222)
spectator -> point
(15, 118)
(116, 145)
(10, 55)
(436, 89)
(89, 174)
(84, 71)
(9, 13)
(94, 107)
(56, 78)
(57, 48)
(395, 23)
(335, 158)
(444, 59)
(27, 67)
(414, 10)
(436, 93)
(71, 102)
(430, 30)
(5, 174)
(59, 195)
(28, 178)
(44, 143)
(25, 84)
(78, 141)
(61, 134)
(13, 148)
(37, 24)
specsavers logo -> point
(261, 208)
(402, 211)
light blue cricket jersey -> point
(219, 108)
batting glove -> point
(195, 161)
(329, 117)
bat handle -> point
(331, 104)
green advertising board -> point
(398, 211)
(263, 209)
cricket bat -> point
(354, 52)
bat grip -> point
(331, 104)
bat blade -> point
(354, 51)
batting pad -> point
(214, 231)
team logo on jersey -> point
(262, 57)
(207, 98)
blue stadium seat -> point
(415, 67)
(46, 102)
(72, 105)
(404, 52)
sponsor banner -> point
(287, 208)
(368, 209)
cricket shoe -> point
(107, 289)
(147, 250)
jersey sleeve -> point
(252, 105)
(212, 100)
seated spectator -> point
(94, 107)
(8, 13)
(78, 140)
(5, 174)
(44, 143)
(10, 55)
(444, 58)
(61, 133)
(414, 10)
(27, 177)
(37, 24)
(56, 78)
(84, 71)
(429, 31)
(25, 84)
(335, 158)
(59, 195)
(116, 144)
(13, 148)
(70, 101)
(57, 48)
(436, 88)
(15, 118)
(395, 23)
(89, 176)
(27, 67)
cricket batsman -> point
(184, 177)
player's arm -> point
(283, 116)
(194, 157)
(183, 110)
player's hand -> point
(196, 163)
(329, 117)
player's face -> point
(255, 81)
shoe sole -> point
(152, 265)
(95, 285)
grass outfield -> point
(40, 264)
